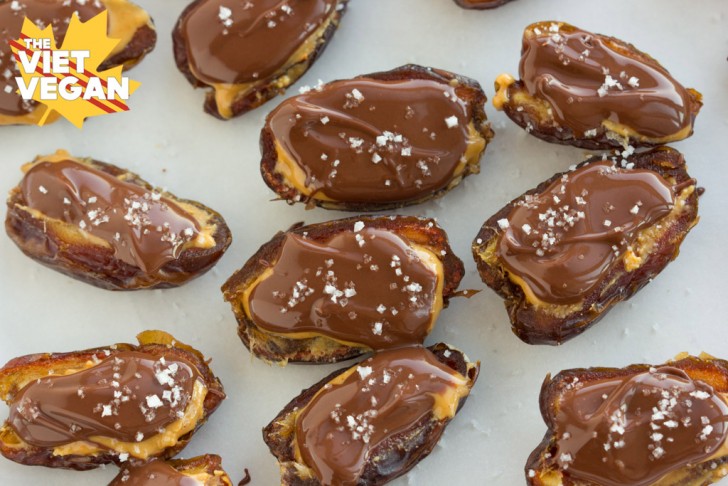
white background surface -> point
(169, 140)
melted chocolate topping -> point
(587, 81)
(387, 394)
(144, 229)
(369, 140)
(632, 430)
(562, 242)
(154, 473)
(128, 396)
(366, 286)
(239, 41)
(43, 12)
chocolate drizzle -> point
(43, 12)
(365, 286)
(153, 473)
(236, 42)
(361, 409)
(128, 396)
(373, 140)
(588, 79)
(561, 242)
(143, 228)
(632, 430)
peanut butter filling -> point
(362, 288)
(145, 228)
(371, 140)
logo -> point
(67, 80)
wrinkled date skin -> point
(155, 343)
(335, 180)
(278, 348)
(100, 266)
(536, 326)
(593, 91)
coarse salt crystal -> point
(451, 121)
(153, 401)
(364, 371)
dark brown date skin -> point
(467, 90)
(395, 456)
(281, 349)
(97, 265)
(262, 91)
(156, 343)
(705, 368)
(535, 326)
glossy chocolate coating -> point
(236, 42)
(367, 287)
(154, 473)
(43, 13)
(561, 242)
(586, 80)
(129, 396)
(144, 229)
(373, 140)
(632, 430)
(385, 395)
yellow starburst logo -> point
(66, 80)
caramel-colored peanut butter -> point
(364, 286)
(590, 80)
(635, 429)
(144, 228)
(369, 140)
(360, 409)
(237, 42)
(128, 397)
(154, 473)
(560, 243)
